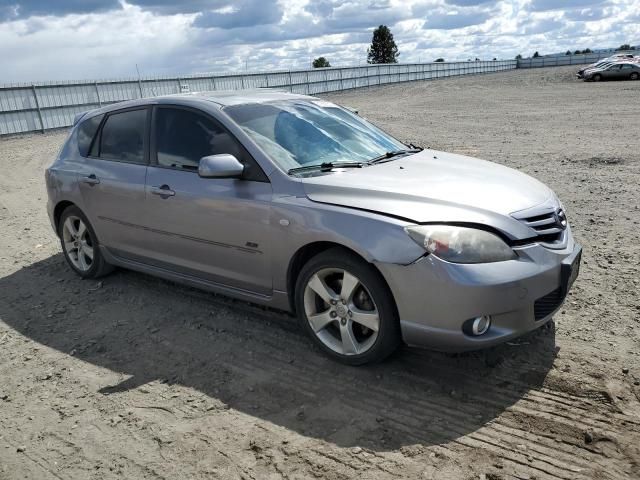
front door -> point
(216, 229)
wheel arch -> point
(310, 250)
(57, 212)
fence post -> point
(341, 83)
(213, 81)
(308, 86)
(98, 93)
(140, 87)
(179, 85)
(35, 96)
(290, 82)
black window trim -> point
(153, 151)
(146, 137)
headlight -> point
(461, 244)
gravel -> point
(147, 379)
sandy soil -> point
(135, 377)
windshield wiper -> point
(394, 153)
(326, 166)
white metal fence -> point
(560, 60)
(43, 106)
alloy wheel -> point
(77, 243)
(341, 311)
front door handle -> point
(163, 191)
(91, 179)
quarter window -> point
(122, 137)
(86, 131)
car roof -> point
(221, 98)
(215, 98)
(238, 97)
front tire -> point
(597, 77)
(346, 307)
(634, 76)
(80, 244)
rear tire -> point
(80, 244)
(346, 307)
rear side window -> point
(86, 131)
(122, 137)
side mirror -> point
(223, 165)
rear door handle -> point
(91, 179)
(163, 191)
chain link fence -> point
(48, 105)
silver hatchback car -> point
(294, 202)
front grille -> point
(546, 305)
(548, 226)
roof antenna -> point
(153, 90)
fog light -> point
(477, 326)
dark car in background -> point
(616, 71)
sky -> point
(95, 39)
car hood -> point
(433, 186)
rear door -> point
(112, 179)
(215, 228)
(626, 70)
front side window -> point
(297, 133)
(122, 137)
(183, 137)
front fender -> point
(299, 222)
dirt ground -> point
(134, 377)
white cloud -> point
(79, 39)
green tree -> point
(568, 52)
(321, 62)
(577, 52)
(383, 48)
(519, 56)
(439, 60)
(536, 55)
(623, 47)
(586, 50)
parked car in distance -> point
(294, 202)
(599, 64)
(624, 57)
(615, 71)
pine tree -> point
(321, 62)
(383, 48)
